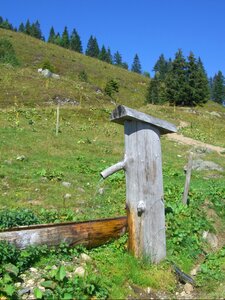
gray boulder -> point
(201, 165)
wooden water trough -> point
(89, 233)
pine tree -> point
(109, 56)
(1, 20)
(57, 40)
(52, 36)
(6, 25)
(156, 92)
(198, 85)
(92, 47)
(218, 89)
(35, 30)
(176, 80)
(124, 65)
(117, 59)
(103, 54)
(21, 27)
(65, 41)
(136, 66)
(161, 67)
(28, 27)
(75, 42)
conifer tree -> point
(57, 40)
(125, 65)
(75, 42)
(52, 36)
(218, 88)
(28, 27)
(117, 59)
(1, 20)
(136, 66)
(35, 30)
(156, 92)
(65, 41)
(6, 25)
(103, 54)
(161, 67)
(92, 47)
(109, 56)
(198, 86)
(21, 28)
(176, 80)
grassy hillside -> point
(24, 84)
(35, 164)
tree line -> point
(184, 81)
(181, 81)
(73, 42)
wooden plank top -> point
(123, 113)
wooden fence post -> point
(144, 183)
(188, 179)
(57, 121)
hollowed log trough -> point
(89, 233)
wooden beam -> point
(89, 233)
(123, 113)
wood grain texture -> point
(90, 233)
(122, 113)
(144, 184)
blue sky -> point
(145, 27)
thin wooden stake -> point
(188, 179)
(57, 120)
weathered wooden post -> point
(144, 183)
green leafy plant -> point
(7, 53)
(112, 87)
(83, 76)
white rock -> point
(66, 184)
(55, 76)
(188, 288)
(210, 238)
(46, 73)
(101, 191)
(80, 271)
(39, 70)
(34, 270)
(85, 257)
(67, 196)
(30, 282)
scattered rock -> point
(85, 257)
(23, 291)
(200, 165)
(8, 162)
(80, 271)
(210, 238)
(55, 76)
(46, 73)
(39, 70)
(188, 288)
(101, 191)
(33, 270)
(64, 101)
(67, 196)
(66, 184)
(21, 157)
(215, 114)
(201, 150)
(80, 189)
(195, 271)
